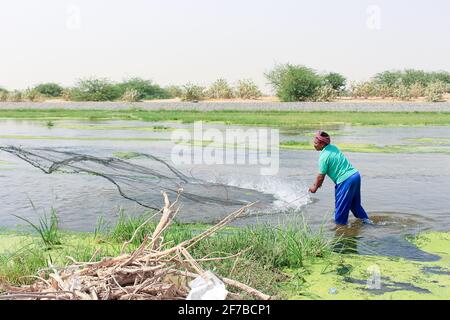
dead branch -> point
(149, 272)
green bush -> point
(145, 88)
(411, 76)
(247, 89)
(92, 89)
(174, 91)
(192, 92)
(49, 89)
(388, 78)
(336, 80)
(434, 91)
(220, 90)
(294, 83)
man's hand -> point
(317, 184)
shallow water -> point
(403, 193)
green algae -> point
(74, 126)
(342, 277)
(368, 148)
(431, 141)
(126, 155)
(6, 165)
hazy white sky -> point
(174, 41)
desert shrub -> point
(384, 91)
(364, 89)
(66, 94)
(32, 95)
(92, 89)
(434, 91)
(174, 91)
(416, 90)
(294, 83)
(3, 95)
(15, 96)
(442, 76)
(220, 90)
(402, 92)
(131, 95)
(336, 80)
(247, 89)
(192, 92)
(325, 93)
(146, 89)
(49, 89)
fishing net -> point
(141, 183)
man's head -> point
(321, 140)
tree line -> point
(290, 83)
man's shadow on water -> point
(356, 238)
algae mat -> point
(356, 277)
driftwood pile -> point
(151, 272)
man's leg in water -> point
(344, 194)
(356, 207)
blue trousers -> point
(348, 197)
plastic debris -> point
(333, 291)
(207, 287)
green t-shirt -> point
(333, 163)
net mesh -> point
(141, 183)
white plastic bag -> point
(207, 287)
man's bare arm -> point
(319, 181)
